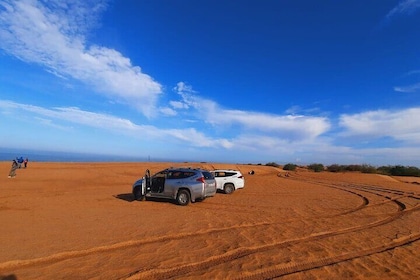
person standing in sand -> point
(25, 162)
(19, 161)
(12, 172)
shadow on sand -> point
(125, 196)
(128, 197)
(8, 277)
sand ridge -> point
(79, 220)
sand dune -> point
(79, 221)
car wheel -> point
(183, 197)
(229, 188)
(137, 194)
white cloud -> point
(50, 123)
(291, 127)
(401, 125)
(188, 96)
(71, 114)
(178, 105)
(168, 111)
(262, 144)
(51, 34)
(199, 139)
(410, 88)
(404, 7)
(108, 122)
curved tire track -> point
(156, 273)
(108, 248)
(282, 270)
(303, 266)
(242, 252)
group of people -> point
(16, 164)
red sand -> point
(78, 221)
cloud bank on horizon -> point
(144, 116)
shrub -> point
(272, 164)
(317, 167)
(353, 167)
(335, 168)
(290, 167)
(386, 170)
(365, 168)
(399, 170)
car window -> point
(161, 173)
(230, 174)
(174, 175)
(208, 175)
(177, 174)
(187, 174)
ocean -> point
(52, 156)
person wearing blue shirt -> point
(19, 161)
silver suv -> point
(228, 180)
(181, 184)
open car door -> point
(146, 185)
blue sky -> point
(227, 81)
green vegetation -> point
(272, 164)
(317, 167)
(397, 170)
(290, 167)
(364, 168)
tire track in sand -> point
(242, 252)
(282, 270)
(232, 255)
(14, 264)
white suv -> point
(228, 180)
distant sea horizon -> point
(7, 154)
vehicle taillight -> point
(201, 179)
(240, 177)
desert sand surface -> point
(79, 221)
